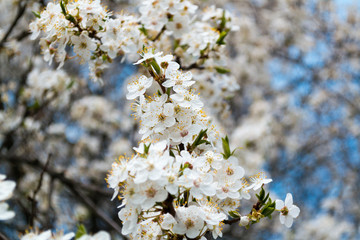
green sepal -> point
(146, 148)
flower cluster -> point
(176, 113)
(97, 36)
(86, 25)
(48, 235)
(48, 86)
(179, 183)
(6, 191)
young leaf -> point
(80, 231)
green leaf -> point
(70, 84)
(222, 70)
(262, 195)
(35, 105)
(36, 14)
(267, 211)
(80, 231)
(226, 147)
(156, 66)
(63, 9)
(143, 30)
(70, 18)
(223, 21)
(266, 198)
(234, 214)
(197, 141)
(172, 153)
(221, 38)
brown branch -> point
(3, 237)
(69, 183)
(20, 13)
(159, 34)
(33, 198)
(91, 205)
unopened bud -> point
(244, 220)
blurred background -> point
(294, 112)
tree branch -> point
(20, 13)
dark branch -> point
(20, 13)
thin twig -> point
(70, 184)
(159, 34)
(33, 198)
(20, 13)
(3, 237)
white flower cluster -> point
(6, 191)
(97, 36)
(46, 85)
(48, 235)
(179, 184)
(96, 113)
(177, 115)
(85, 25)
(196, 33)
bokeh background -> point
(295, 115)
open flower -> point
(288, 211)
(138, 87)
(258, 180)
(189, 221)
(83, 45)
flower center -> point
(184, 133)
(229, 171)
(161, 117)
(178, 25)
(151, 192)
(284, 211)
(189, 223)
(83, 45)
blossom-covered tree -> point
(279, 79)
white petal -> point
(279, 204)
(282, 219)
(288, 221)
(288, 200)
(294, 211)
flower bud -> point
(244, 220)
